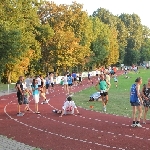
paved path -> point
(9, 144)
(89, 131)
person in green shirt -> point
(103, 89)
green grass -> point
(4, 87)
(118, 97)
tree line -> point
(38, 37)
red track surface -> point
(91, 130)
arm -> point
(77, 111)
(138, 93)
(143, 94)
(108, 84)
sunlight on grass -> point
(118, 97)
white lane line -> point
(56, 134)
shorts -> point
(65, 83)
(80, 79)
(52, 84)
(97, 75)
(25, 101)
(135, 104)
(146, 103)
(47, 86)
(75, 79)
(20, 98)
(36, 98)
(70, 84)
(104, 93)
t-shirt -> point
(24, 85)
(103, 85)
(21, 85)
(69, 107)
(69, 80)
(74, 75)
(65, 79)
(35, 89)
(39, 81)
(47, 80)
(28, 82)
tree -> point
(70, 45)
(134, 38)
(116, 26)
(18, 19)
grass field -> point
(4, 87)
(118, 97)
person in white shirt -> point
(39, 81)
(65, 81)
(67, 108)
(28, 82)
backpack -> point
(133, 94)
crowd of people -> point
(39, 87)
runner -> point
(103, 88)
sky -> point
(116, 7)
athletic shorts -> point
(75, 79)
(52, 84)
(104, 93)
(20, 98)
(70, 84)
(80, 79)
(146, 103)
(36, 98)
(135, 104)
(47, 86)
(25, 101)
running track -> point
(89, 131)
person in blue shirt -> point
(136, 102)
(74, 75)
(69, 80)
(35, 93)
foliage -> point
(40, 37)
